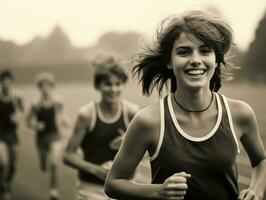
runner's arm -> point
(71, 157)
(252, 143)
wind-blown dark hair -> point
(150, 66)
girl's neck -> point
(108, 107)
(45, 96)
(5, 95)
(109, 112)
(5, 92)
(194, 100)
(45, 99)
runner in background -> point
(11, 115)
(45, 118)
(99, 130)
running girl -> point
(45, 118)
(11, 112)
(99, 130)
(192, 135)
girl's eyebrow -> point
(182, 47)
(188, 47)
(205, 45)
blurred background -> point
(62, 37)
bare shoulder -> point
(58, 100)
(240, 109)
(243, 115)
(146, 125)
(85, 113)
(149, 117)
(131, 107)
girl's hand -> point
(101, 173)
(174, 188)
(249, 194)
(107, 165)
(116, 143)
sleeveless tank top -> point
(46, 115)
(211, 159)
(96, 143)
(7, 109)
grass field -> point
(31, 184)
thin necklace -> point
(188, 110)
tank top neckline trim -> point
(111, 120)
(187, 136)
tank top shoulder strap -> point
(90, 109)
(162, 129)
(93, 116)
(230, 120)
(125, 113)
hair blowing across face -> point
(150, 66)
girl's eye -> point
(206, 50)
(183, 52)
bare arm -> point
(251, 141)
(72, 158)
(18, 115)
(62, 117)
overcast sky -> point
(85, 20)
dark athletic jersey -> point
(7, 109)
(8, 128)
(96, 143)
(211, 160)
(46, 115)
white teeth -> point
(195, 71)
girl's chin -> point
(112, 100)
(196, 84)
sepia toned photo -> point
(132, 100)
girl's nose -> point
(195, 60)
(114, 88)
(195, 64)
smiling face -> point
(192, 62)
(111, 89)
